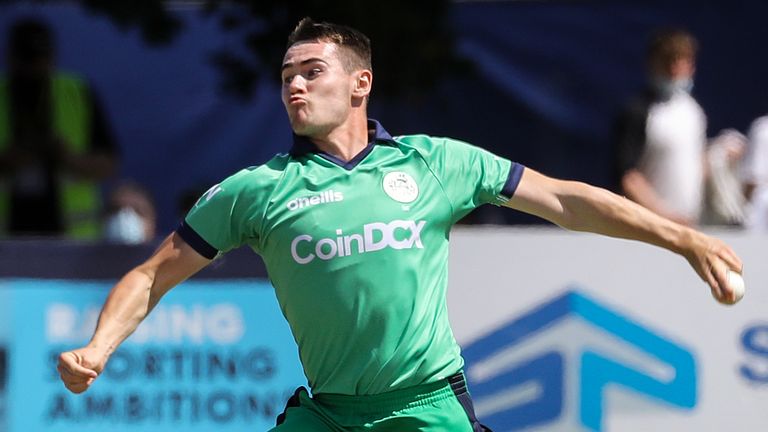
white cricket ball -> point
(736, 284)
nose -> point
(296, 85)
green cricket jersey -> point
(358, 251)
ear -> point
(363, 83)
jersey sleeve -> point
(469, 175)
(224, 218)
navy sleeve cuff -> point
(197, 243)
(515, 174)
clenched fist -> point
(79, 368)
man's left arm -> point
(580, 207)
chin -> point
(300, 128)
(300, 125)
(307, 129)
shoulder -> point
(694, 104)
(73, 87)
(427, 144)
(759, 126)
(264, 176)
(414, 141)
(67, 79)
(248, 188)
(637, 107)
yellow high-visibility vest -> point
(79, 199)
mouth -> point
(296, 100)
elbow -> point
(574, 223)
(586, 207)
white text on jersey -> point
(375, 236)
(321, 198)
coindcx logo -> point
(554, 368)
(398, 234)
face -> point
(678, 69)
(317, 92)
(682, 68)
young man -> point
(353, 226)
(661, 135)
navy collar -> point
(302, 145)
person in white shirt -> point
(755, 175)
(662, 135)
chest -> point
(327, 211)
(677, 126)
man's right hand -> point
(128, 303)
(79, 368)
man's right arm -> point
(129, 302)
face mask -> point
(125, 226)
(669, 87)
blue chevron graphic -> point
(544, 373)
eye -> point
(312, 73)
(287, 79)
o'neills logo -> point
(321, 198)
(398, 234)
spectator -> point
(131, 217)
(662, 135)
(755, 175)
(54, 142)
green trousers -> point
(440, 406)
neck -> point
(346, 140)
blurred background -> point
(153, 102)
(189, 90)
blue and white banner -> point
(566, 354)
(562, 332)
(211, 356)
(565, 332)
(5, 330)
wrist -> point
(683, 242)
(104, 347)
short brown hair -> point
(357, 43)
(667, 46)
